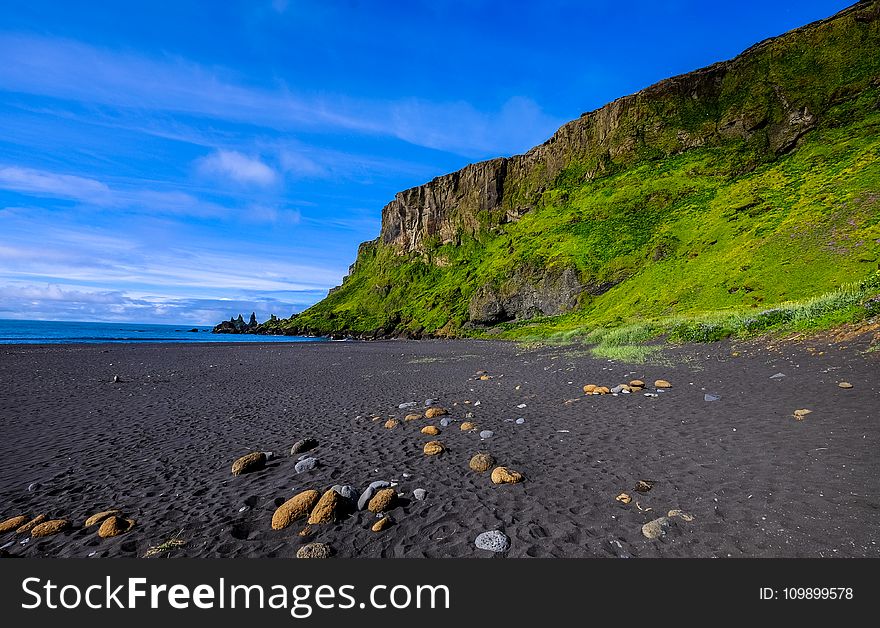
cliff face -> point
(477, 246)
(661, 119)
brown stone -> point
(433, 413)
(391, 424)
(412, 417)
(294, 508)
(503, 475)
(662, 383)
(601, 390)
(655, 529)
(844, 385)
(801, 414)
(623, 498)
(48, 528)
(382, 500)
(314, 550)
(325, 510)
(98, 518)
(467, 425)
(30, 525)
(643, 486)
(589, 388)
(434, 448)
(380, 525)
(430, 430)
(12, 523)
(637, 383)
(114, 526)
(251, 462)
(484, 377)
(481, 462)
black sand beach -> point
(159, 445)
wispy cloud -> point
(53, 301)
(229, 164)
(75, 71)
(42, 183)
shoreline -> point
(160, 443)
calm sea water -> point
(57, 332)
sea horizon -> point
(20, 331)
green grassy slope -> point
(729, 226)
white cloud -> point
(238, 167)
(42, 183)
(72, 70)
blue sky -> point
(184, 161)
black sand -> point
(159, 445)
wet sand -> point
(159, 445)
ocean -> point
(62, 332)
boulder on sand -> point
(53, 526)
(114, 526)
(435, 411)
(99, 517)
(303, 445)
(250, 462)
(30, 525)
(503, 475)
(430, 430)
(434, 448)
(314, 550)
(12, 523)
(382, 500)
(481, 462)
(325, 510)
(294, 508)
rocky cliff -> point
(553, 230)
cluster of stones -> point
(113, 523)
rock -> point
(420, 494)
(656, 529)
(589, 388)
(390, 424)
(520, 421)
(114, 526)
(99, 517)
(484, 377)
(13, 523)
(445, 422)
(382, 500)
(623, 498)
(434, 448)
(306, 464)
(47, 528)
(430, 402)
(801, 414)
(430, 430)
(662, 383)
(601, 390)
(844, 385)
(777, 376)
(253, 461)
(708, 397)
(407, 404)
(380, 525)
(370, 491)
(412, 417)
(680, 514)
(30, 525)
(503, 475)
(481, 462)
(643, 486)
(637, 383)
(33, 486)
(117, 379)
(467, 426)
(493, 541)
(325, 510)
(314, 550)
(303, 445)
(487, 434)
(345, 491)
(296, 507)
(435, 411)
(620, 388)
